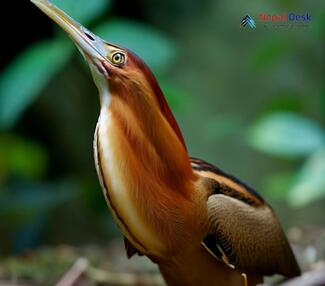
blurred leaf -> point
(310, 182)
(277, 185)
(27, 75)
(29, 233)
(22, 202)
(269, 53)
(286, 134)
(319, 24)
(321, 104)
(177, 99)
(155, 48)
(83, 11)
(222, 126)
(21, 158)
(286, 99)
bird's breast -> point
(115, 182)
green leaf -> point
(286, 134)
(21, 158)
(83, 11)
(27, 75)
(155, 48)
(310, 182)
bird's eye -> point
(118, 58)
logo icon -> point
(248, 21)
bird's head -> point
(116, 71)
(108, 62)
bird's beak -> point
(91, 46)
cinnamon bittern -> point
(201, 225)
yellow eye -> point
(118, 58)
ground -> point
(108, 265)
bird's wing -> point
(243, 230)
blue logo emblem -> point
(248, 21)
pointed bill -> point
(91, 46)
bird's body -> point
(202, 226)
(165, 202)
(164, 225)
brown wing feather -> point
(243, 230)
(251, 236)
(222, 182)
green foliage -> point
(309, 185)
(24, 79)
(293, 84)
(84, 12)
(269, 53)
(320, 24)
(177, 99)
(223, 126)
(21, 158)
(25, 201)
(287, 135)
(290, 135)
(276, 185)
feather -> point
(243, 230)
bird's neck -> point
(148, 144)
(145, 170)
(146, 134)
